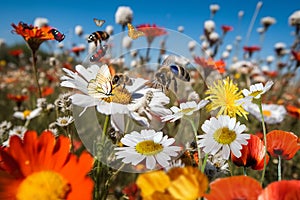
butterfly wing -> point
(133, 33)
(99, 22)
(101, 86)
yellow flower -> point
(225, 97)
(186, 183)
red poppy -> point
(296, 55)
(271, 74)
(252, 154)
(78, 49)
(17, 98)
(43, 168)
(234, 187)
(251, 49)
(46, 91)
(16, 52)
(226, 28)
(293, 111)
(282, 143)
(151, 31)
(211, 64)
(285, 189)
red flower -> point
(234, 187)
(151, 31)
(17, 98)
(252, 154)
(46, 91)
(16, 52)
(132, 191)
(251, 49)
(226, 28)
(285, 189)
(296, 55)
(43, 168)
(282, 143)
(78, 49)
(271, 74)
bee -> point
(57, 35)
(99, 22)
(99, 54)
(120, 78)
(133, 33)
(169, 72)
(98, 36)
(102, 86)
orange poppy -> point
(285, 189)
(282, 143)
(234, 187)
(252, 154)
(34, 36)
(17, 98)
(16, 52)
(43, 168)
(211, 64)
(77, 50)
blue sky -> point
(191, 14)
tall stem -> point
(265, 141)
(258, 6)
(99, 165)
(35, 73)
(198, 149)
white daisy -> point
(187, 108)
(64, 121)
(273, 113)
(28, 114)
(5, 125)
(149, 145)
(225, 134)
(116, 100)
(257, 90)
(17, 130)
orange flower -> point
(16, 52)
(151, 31)
(234, 187)
(285, 189)
(46, 91)
(211, 64)
(34, 36)
(17, 98)
(178, 183)
(77, 50)
(293, 111)
(252, 154)
(43, 168)
(282, 143)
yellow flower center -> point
(63, 121)
(148, 147)
(224, 135)
(26, 113)
(119, 95)
(267, 113)
(47, 185)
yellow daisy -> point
(226, 98)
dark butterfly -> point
(57, 35)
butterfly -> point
(133, 33)
(99, 22)
(102, 86)
(57, 35)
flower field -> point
(149, 113)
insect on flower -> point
(133, 33)
(99, 54)
(57, 35)
(99, 22)
(102, 86)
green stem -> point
(97, 195)
(35, 73)
(279, 168)
(198, 149)
(245, 171)
(204, 163)
(265, 141)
